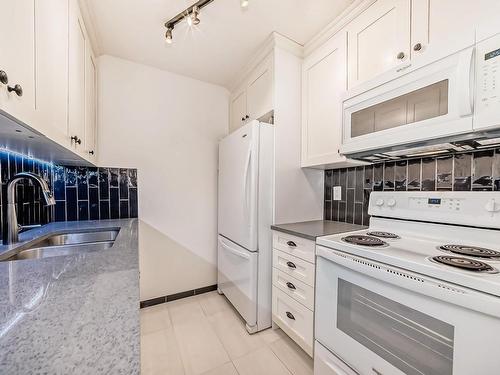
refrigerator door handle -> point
(235, 252)
(245, 181)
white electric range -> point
(418, 292)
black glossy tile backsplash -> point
(477, 171)
(81, 193)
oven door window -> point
(414, 342)
(419, 105)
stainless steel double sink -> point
(63, 244)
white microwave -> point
(455, 97)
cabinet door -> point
(17, 58)
(90, 105)
(324, 80)
(260, 91)
(238, 111)
(77, 51)
(52, 69)
(378, 40)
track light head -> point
(168, 35)
(194, 15)
(244, 3)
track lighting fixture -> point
(191, 15)
(244, 3)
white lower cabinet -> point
(293, 288)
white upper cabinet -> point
(378, 39)
(260, 91)
(254, 97)
(324, 81)
(51, 30)
(77, 62)
(90, 105)
(238, 110)
(17, 59)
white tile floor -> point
(204, 335)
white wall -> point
(168, 127)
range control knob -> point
(391, 202)
(492, 206)
(379, 202)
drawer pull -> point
(291, 244)
(290, 285)
(290, 315)
(291, 265)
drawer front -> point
(295, 319)
(293, 266)
(326, 363)
(299, 291)
(296, 246)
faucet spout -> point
(12, 225)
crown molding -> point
(354, 10)
(88, 17)
(274, 40)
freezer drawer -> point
(237, 278)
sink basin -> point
(64, 244)
(55, 251)
(78, 238)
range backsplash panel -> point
(81, 193)
(478, 171)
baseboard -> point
(176, 296)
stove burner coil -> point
(364, 240)
(383, 234)
(464, 263)
(473, 251)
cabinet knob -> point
(401, 55)
(290, 285)
(242, 119)
(4, 78)
(417, 47)
(291, 244)
(291, 265)
(17, 89)
(290, 315)
(91, 152)
(247, 117)
(76, 139)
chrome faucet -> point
(12, 226)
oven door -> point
(417, 106)
(384, 320)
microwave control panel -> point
(488, 82)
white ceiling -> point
(219, 46)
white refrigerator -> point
(245, 215)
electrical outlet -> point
(337, 193)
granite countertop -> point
(75, 314)
(317, 228)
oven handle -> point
(465, 82)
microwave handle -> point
(466, 82)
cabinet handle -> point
(247, 117)
(290, 315)
(76, 139)
(17, 89)
(291, 244)
(4, 78)
(91, 152)
(291, 265)
(290, 285)
(401, 55)
(242, 119)
(417, 47)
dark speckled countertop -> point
(317, 228)
(75, 314)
